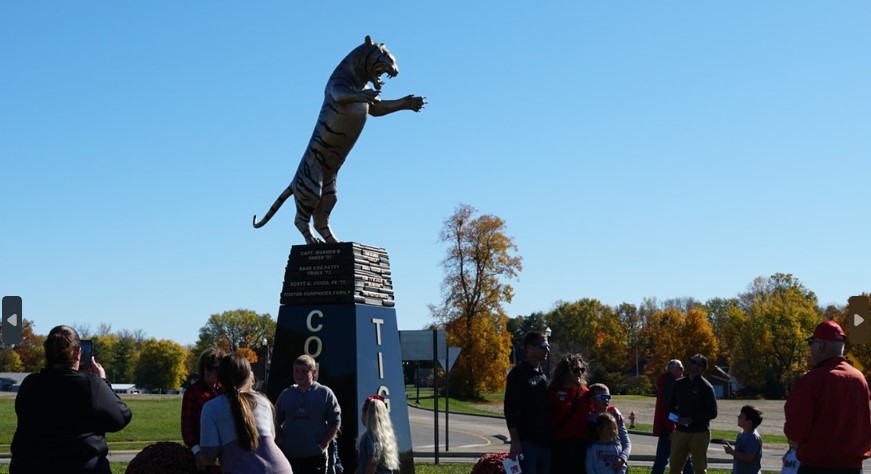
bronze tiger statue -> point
(347, 101)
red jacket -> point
(828, 415)
(560, 400)
(662, 426)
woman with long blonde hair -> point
(239, 426)
(377, 451)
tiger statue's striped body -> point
(348, 100)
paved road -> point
(476, 435)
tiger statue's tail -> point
(272, 210)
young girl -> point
(748, 446)
(239, 426)
(605, 456)
(601, 397)
(377, 452)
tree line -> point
(150, 363)
(758, 336)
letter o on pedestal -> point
(318, 345)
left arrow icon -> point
(12, 319)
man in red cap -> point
(827, 412)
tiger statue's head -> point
(371, 61)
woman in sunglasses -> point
(602, 404)
(569, 401)
(203, 390)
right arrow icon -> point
(860, 331)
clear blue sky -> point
(635, 149)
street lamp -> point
(547, 333)
(265, 359)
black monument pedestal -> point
(337, 306)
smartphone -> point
(87, 353)
(673, 417)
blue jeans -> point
(536, 459)
(663, 452)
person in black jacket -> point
(526, 408)
(695, 404)
(64, 413)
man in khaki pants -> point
(694, 403)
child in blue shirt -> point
(747, 452)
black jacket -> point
(63, 416)
(526, 405)
(694, 398)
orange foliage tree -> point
(678, 334)
(480, 256)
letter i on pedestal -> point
(343, 317)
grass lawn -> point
(155, 418)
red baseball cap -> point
(828, 331)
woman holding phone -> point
(64, 413)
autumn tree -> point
(232, 330)
(31, 350)
(678, 334)
(767, 334)
(480, 257)
(161, 365)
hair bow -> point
(369, 399)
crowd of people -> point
(564, 426)
(561, 426)
(227, 425)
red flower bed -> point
(490, 464)
(163, 457)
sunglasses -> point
(579, 370)
(213, 368)
(603, 397)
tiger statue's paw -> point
(414, 102)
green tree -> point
(767, 341)
(480, 257)
(106, 352)
(10, 361)
(126, 358)
(232, 330)
(518, 327)
(161, 365)
(633, 324)
(591, 328)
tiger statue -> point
(348, 100)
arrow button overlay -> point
(12, 320)
(858, 315)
